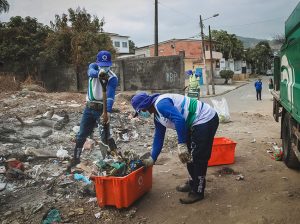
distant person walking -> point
(258, 88)
(271, 85)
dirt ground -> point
(269, 193)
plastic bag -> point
(221, 108)
(61, 153)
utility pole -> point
(203, 51)
(211, 65)
(156, 29)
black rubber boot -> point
(192, 198)
(76, 158)
(186, 187)
(197, 192)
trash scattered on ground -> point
(92, 200)
(277, 153)
(52, 216)
(79, 211)
(61, 153)
(253, 141)
(2, 169)
(82, 177)
(37, 208)
(132, 213)
(97, 215)
(239, 177)
(284, 178)
(227, 171)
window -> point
(206, 47)
(117, 44)
(124, 44)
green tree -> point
(259, 57)
(4, 6)
(21, 41)
(75, 39)
(226, 74)
(228, 44)
(131, 47)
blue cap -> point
(104, 59)
(142, 101)
(189, 72)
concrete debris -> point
(79, 211)
(42, 153)
(2, 186)
(131, 213)
(8, 213)
(92, 200)
(37, 208)
(74, 105)
(76, 129)
(97, 215)
(253, 141)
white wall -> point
(121, 49)
(142, 52)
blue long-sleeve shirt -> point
(258, 85)
(166, 108)
(94, 92)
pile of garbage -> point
(117, 164)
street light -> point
(203, 49)
(215, 15)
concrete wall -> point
(62, 78)
(154, 73)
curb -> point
(225, 92)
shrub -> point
(226, 74)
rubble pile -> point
(37, 133)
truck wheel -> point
(289, 156)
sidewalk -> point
(221, 89)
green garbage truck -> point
(286, 93)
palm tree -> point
(4, 6)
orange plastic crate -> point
(222, 152)
(122, 191)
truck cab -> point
(286, 91)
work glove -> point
(102, 74)
(183, 153)
(148, 162)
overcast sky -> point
(177, 19)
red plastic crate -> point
(122, 191)
(222, 152)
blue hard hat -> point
(142, 101)
(189, 72)
(104, 59)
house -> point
(193, 53)
(121, 43)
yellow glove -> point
(183, 153)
